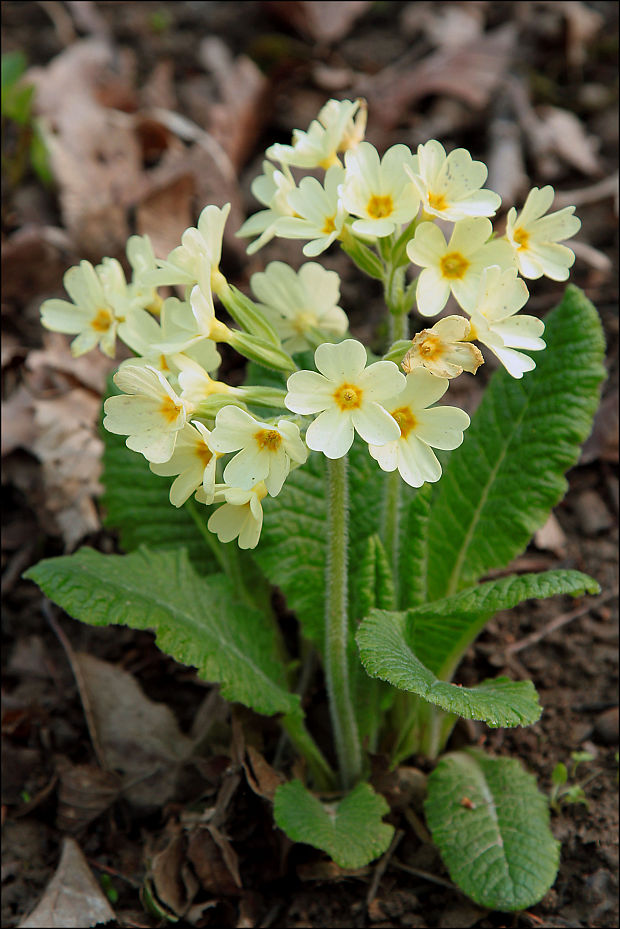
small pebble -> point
(593, 515)
(606, 726)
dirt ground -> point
(529, 87)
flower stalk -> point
(342, 713)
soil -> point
(52, 783)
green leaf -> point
(413, 550)
(491, 824)
(441, 631)
(136, 502)
(350, 831)
(500, 485)
(366, 260)
(198, 621)
(412, 650)
(13, 65)
(559, 775)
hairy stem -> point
(342, 714)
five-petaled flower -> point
(422, 428)
(536, 237)
(450, 185)
(443, 350)
(347, 395)
(266, 450)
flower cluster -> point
(426, 210)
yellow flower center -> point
(380, 207)
(431, 348)
(405, 419)
(453, 266)
(170, 410)
(521, 237)
(472, 335)
(329, 226)
(348, 397)
(269, 439)
(437, 201)
(102, 321)
(155, 305)
(203, 453)
(163, 364)
(303, 321)
(331, 159)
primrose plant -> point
(326, 474)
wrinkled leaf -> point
(350, 831)
(491, 824)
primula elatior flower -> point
(100, 302)
(378, 190)
(271, 189)
(495, 323)
(339, 126)
(422, 428)
(193, 324)
(198, 256)
(535, 237)
(266, 450)
(176, 327)
(194, 461)
(149, 412)
(295, 302)
(455, 265)
(241, 516)
(318, 212)
(442, 349)
(141, 257)
(348, 395)
(449, 185)
(196, 384)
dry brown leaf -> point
(67, 444)
(171, 877)
(73, 898)
(236, 122)
(564, 133)
(90, 370)
(139, 738)
(262, 778)
(165, 213)
(602, 445)
(94, 152)
(85, 792)
(34, 260)
(471, 73)
(18, 425)
(323, 20)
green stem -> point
(344, 724)
(391, 521)
(295, 728)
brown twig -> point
(558, 622)
(46, 608)
(425, 875)
(381, 866)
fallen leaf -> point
(262, 778)
(170, 876)
(94, 152)
(91, 370)
(67, 444)
(564, 133)
(18, 425)
(34, 260)
(470, 72)
(73, 898)
(165, 213)
(236, 123)
(85, 792)
(323, 20)
(208, 857)
(139, 738)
